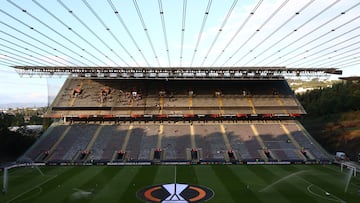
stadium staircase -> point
(51, 151)
(293, 141)
(125, 143)
(313, 141)
(281, 103)
(38, 154)
(192, 137)
(41, 155)
(220, 102)
(260, 141)
(251, 104)
(226, 141)
(190, 105)
(161, 105)
(72, 100)
(88, 147)
(158, 145)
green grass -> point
(230, 183)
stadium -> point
(144, 133)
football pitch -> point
(225, 183)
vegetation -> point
(334, 117)
(12, 144)
(341, 97)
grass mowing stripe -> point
(316, 176)
(285, 183)
(64, 184)
(249, 178)
(293, 187)
(293, 177)
(337, 174)
(334, 185)
(70, 179)
(21, 182)
(319, 193)
(263, 173)
(144, 177)
(100, 179)
(21, 179)
(164, 174)
(94, 184)
(34, 179)
(334, 168)
(186, 174)
(281, 182)
(115, 188)
(28, 174)
(207, 178)
(234, 184)
(257, 182)
(29, 190)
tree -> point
(12, 144)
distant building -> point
(27, 119)
(302, 90)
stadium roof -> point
(237, 73)
(354, 78)
(180, 34)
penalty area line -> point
(330, 198)
(337, 199)
(36, 186)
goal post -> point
(5, 180)
(347, 166)
(6, 172)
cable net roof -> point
(203, 33)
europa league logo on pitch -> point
(179, 193)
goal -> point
(6, 174)
(350, 167)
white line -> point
(322, 197)
(33, 195)
(21, 176)
(42, 183)
(280, 180)
(338, 199)
(175, 175)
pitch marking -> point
(331, 198)
(33, 195)
(29, 190)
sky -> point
(169, 33)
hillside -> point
(334, 117)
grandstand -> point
(177, 119)
(174, 98)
